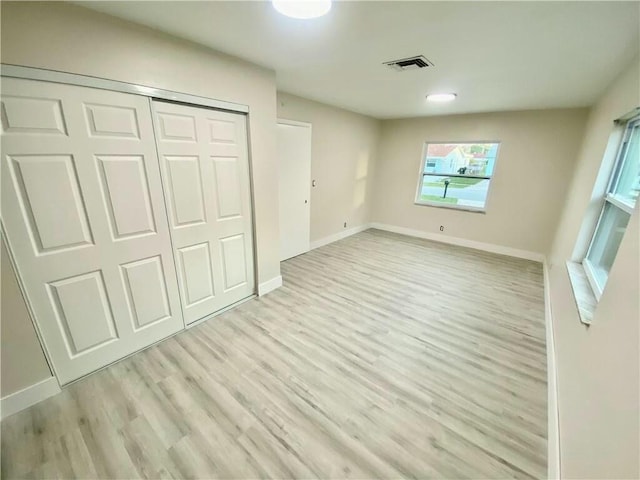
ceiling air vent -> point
(410, 63)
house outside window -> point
(457, 175)
(617, 205)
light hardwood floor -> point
(382, 356)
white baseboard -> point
(339, 236)
(461, 242)
(553, 412)
(28, 396)
(269, 285)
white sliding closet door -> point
(205, 169)
(84, 214)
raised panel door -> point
(205, 169)
(84, 213)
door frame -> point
(53, 76)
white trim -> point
(29, 396)
(339, 236)
(462, 242)
(30, 73)
(294, 123)
(621, 204)
(553, 411)
(631, 118)
(455, 206)
(591, 278)
(269, 285)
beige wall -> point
(343, 148)
(22, 360)
(533, 171)
(60, 36)
(598, 367)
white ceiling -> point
(494, 55)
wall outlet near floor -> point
(442, 228)
(345, 224)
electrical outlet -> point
(442, 228)
(345, 224)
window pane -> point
(627, 185)
(461, 158)
(606, 241)
(462, 191)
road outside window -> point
(457, 175)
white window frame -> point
(610, 198)
(421, 175)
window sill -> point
(451, 207)
(582, 292)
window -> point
(618, 204)
(457, 175)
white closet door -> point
(205, 169)
(83, 208)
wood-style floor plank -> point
(382, 356)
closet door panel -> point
(205, 170)
(234, 264)
(112, 121)
(125, 189)
(228, 187)
(32, 115)
(84, 213)
(197, 273)
(39, 178)
(146, 288)
(184, 183)
(74, 300)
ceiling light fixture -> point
(302, 8)
(441, 97)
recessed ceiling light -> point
(302, 8)
(441, 97)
